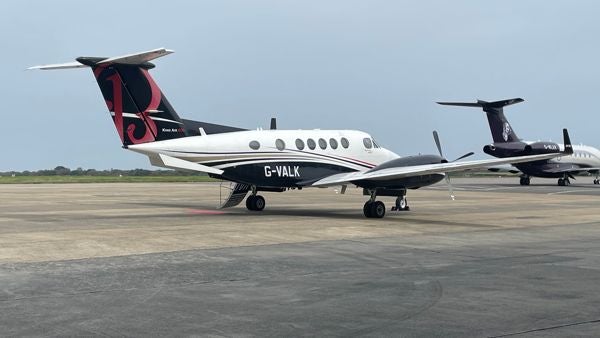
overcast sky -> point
(376, 66)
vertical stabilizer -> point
(500, 128)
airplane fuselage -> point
(583, 157)
(277, 158)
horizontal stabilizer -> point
(59, 66)
(176, 163)
(484, 104)
(140, 58)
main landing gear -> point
(525, 180)
(597, 180)
(564, 181)
(255, 202)
(376, 209)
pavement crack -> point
(546, 328)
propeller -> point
(436, 138)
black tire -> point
(561, 182)
(402, 203)
(522, 181)
(367, 209)
(250, 202)
(259, 203)
(377, 209)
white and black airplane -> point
(584, 159)
(261, 160)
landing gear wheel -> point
(259, 203)
(525, 181)
(255, 203)
(377, 209)
(563, 182)
(596, 181)
(367, 209)
(250, 202)
(401, 204)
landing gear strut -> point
(255, 202)
(525, 180)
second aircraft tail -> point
(499, 126)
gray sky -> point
(376, 66)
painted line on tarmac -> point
(567, 192)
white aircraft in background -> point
(262, 160)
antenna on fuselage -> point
(273, 123)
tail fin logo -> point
(506, 131)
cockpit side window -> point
(376, 144)
(367, 143)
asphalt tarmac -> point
(159, 259)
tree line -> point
(64, 171)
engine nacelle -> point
(508, 149)
(410, 161)
(541, 148)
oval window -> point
(280, 144)
(299, 144)
(368, 143)
(311, 144)
(345, 142)
(322, 143)
(254, 145)
(333, 143)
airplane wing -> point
(390, 174)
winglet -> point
(567, 141)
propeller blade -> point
(437, 142)
(465, 155)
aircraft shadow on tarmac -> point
(199, 210)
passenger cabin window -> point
(322, 143)
(368, 143)
(299, 144)
(333, 143)
(254, 145)
(280, 144)
(345, 142)
(311, 144)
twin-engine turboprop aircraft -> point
(261, 160)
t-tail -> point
(501, 129)
(140, 111)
